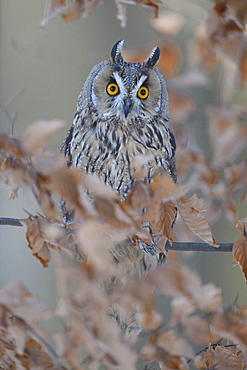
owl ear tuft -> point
(116, 52)
(153, 58)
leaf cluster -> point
(99, 298)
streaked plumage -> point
(122, 111)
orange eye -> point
(142, 92)
(112, 89)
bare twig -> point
(185, 247)
(10, 221)
(199, 247)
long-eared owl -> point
(122, 111)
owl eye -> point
(142, 92)
(112, 89)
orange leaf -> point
(191, 212)
(52, 9)
(220, 357)
(12, 146)
(197, 330)
(163, 188)
(79, 8)
(167, 215)
(38, 234)
(233, 326)
(240, 253)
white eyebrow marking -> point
(119, 81)
(138, 85)
(140, 82)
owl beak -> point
(127, 105)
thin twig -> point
(10, 221)
(185, 247)
(199, 247)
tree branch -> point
(199, 247)
(10, 221)
(185, 247)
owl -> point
(122, 112)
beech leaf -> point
(52, 9)
(41, 236)
(191, 212)
(220, 357)
(197, 330)
(37, 134)
(240, 253)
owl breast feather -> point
(108, 149)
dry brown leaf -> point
(52, 9)
(220, 357)
(12, 146)
(15, 174)
(242, 226)
(38, 356)
(161, 348)
(191, 212)
(151, 352)
(232, 326)
(168, 23)
(106, 206)
(210, 298)
(225, 34)
(150, 5)
(79, 8)
(163, 188)
(182, 283)
(36, 240)
(149, 319)
(37, 134)
(15, 297)
(38, 233)
(174, 345)
(240, 253)
(167, 216)
(46, 163)
(65, 182)
(197, 330)
(96, 244)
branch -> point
(185, 247)
(199, 247)
(10, 221)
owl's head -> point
(129, 92)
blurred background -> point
(41, 74)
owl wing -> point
(66, 146)
(171, 160)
